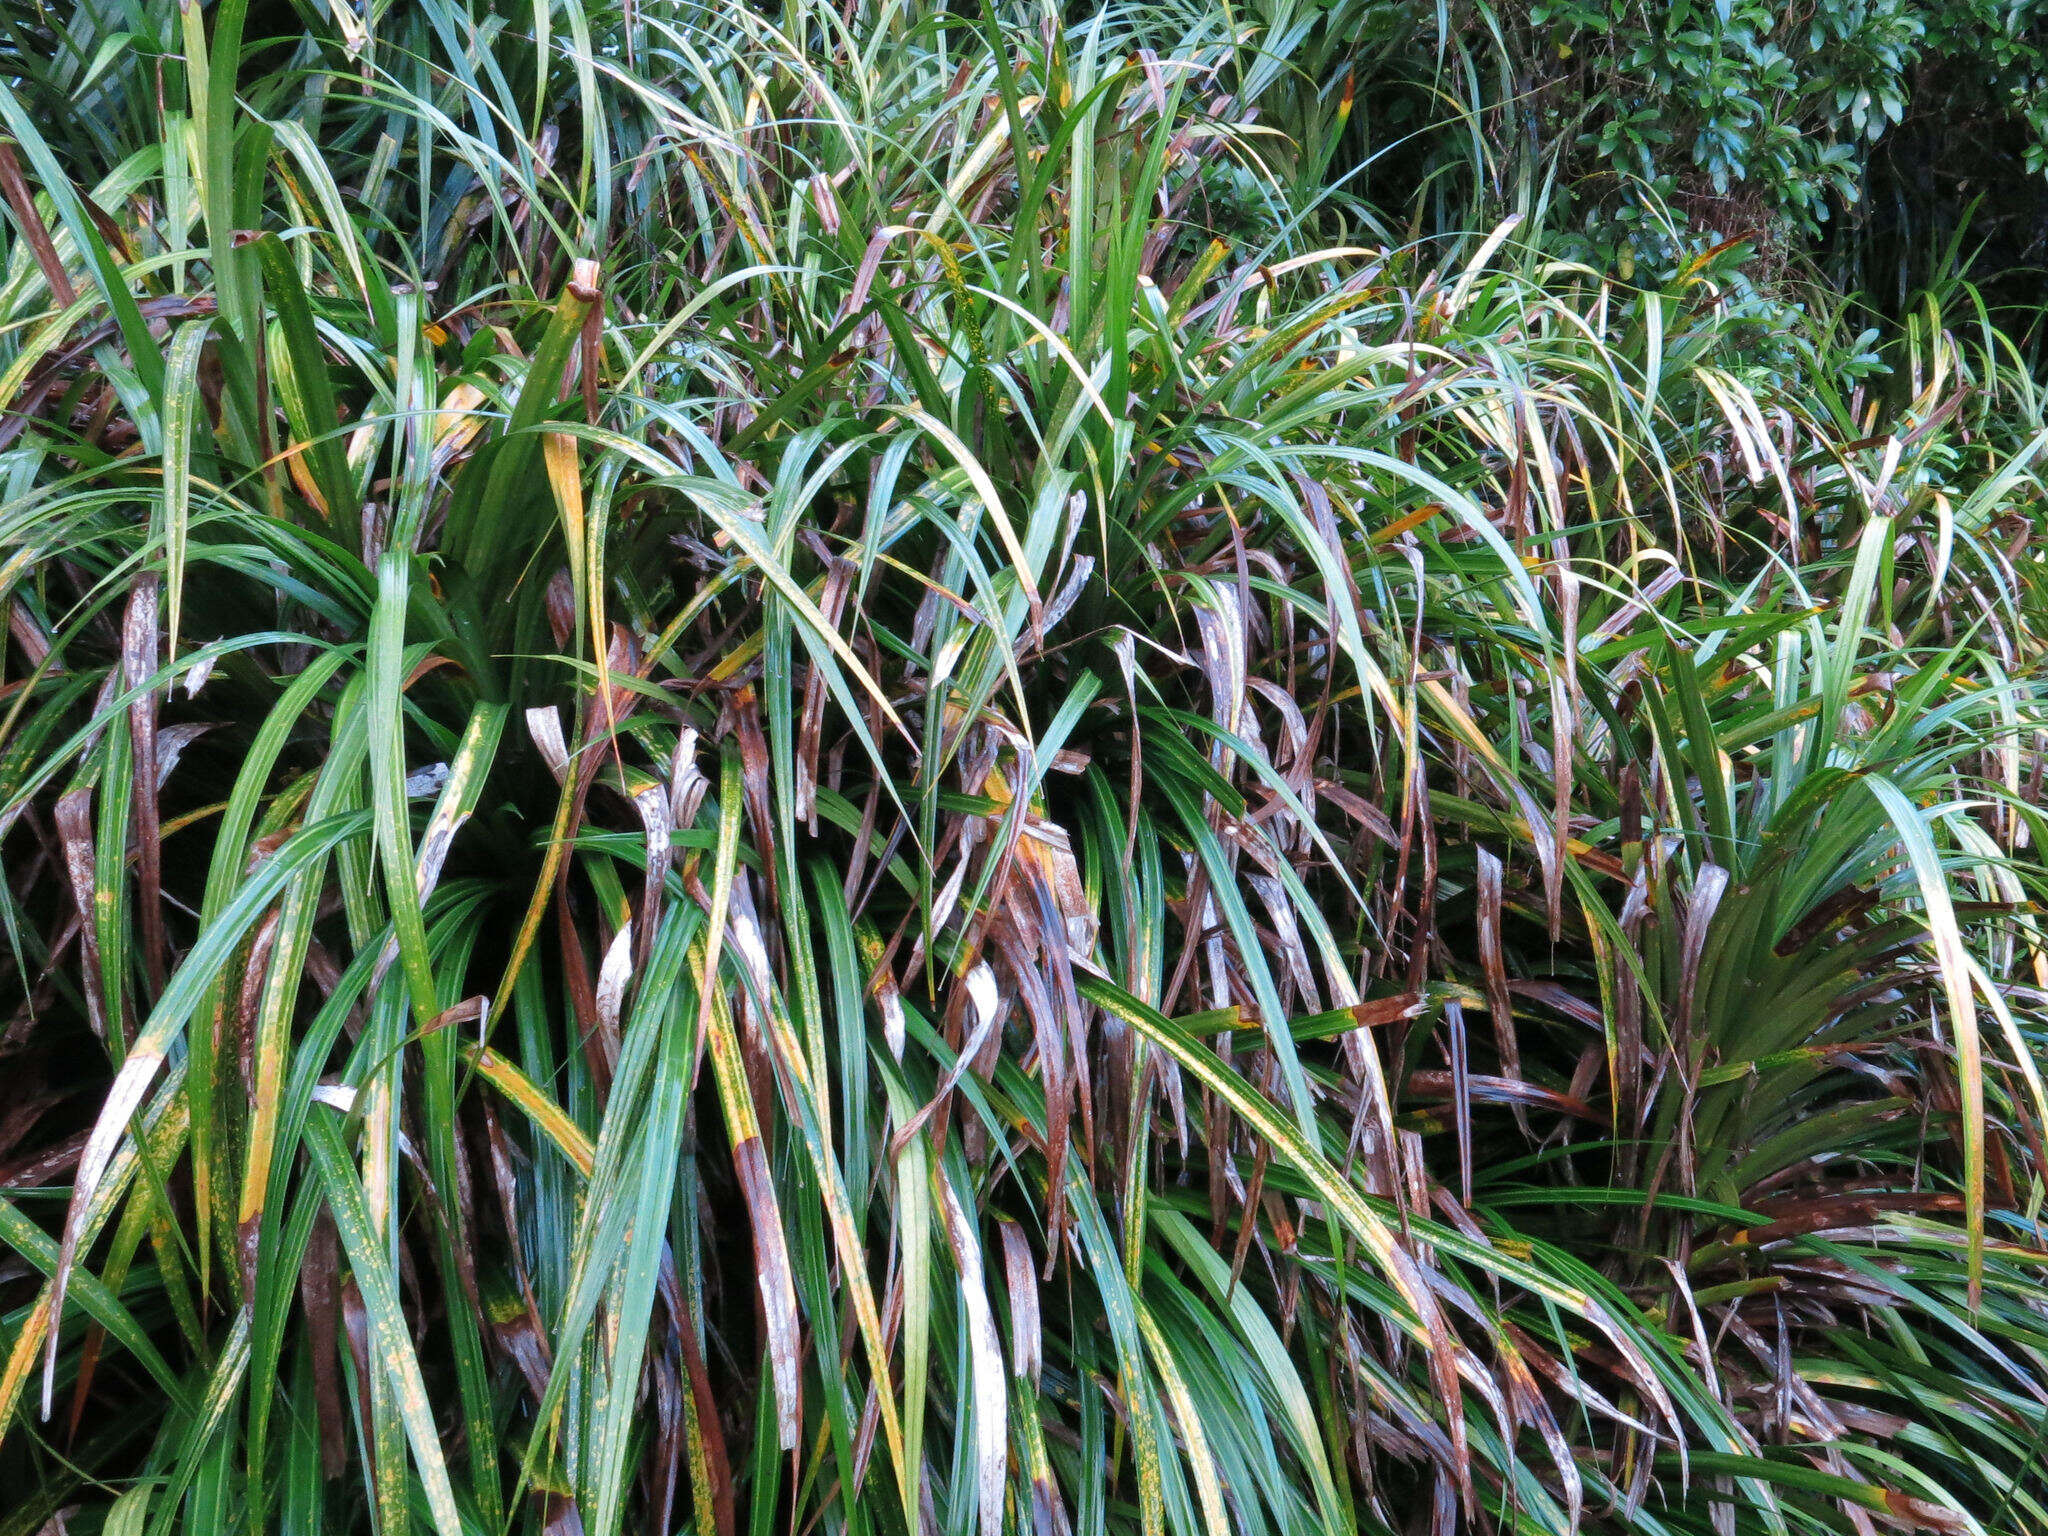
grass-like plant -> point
(853, 769)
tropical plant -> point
(764, 767)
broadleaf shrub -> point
(1825, 125)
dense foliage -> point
(887, 769)
(1753, 118)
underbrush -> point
(840, 770)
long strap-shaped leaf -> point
(1952, 960)
(735, 1097)
(390, 1336)
(166, 1021)
(180, 411)
(386, 704)
(24, 1238)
